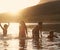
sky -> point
(15, 5)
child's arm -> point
(1, 26)
(55, 36)
(8, 24)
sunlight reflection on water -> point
(29, 44)
(13, 29)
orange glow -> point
(13, 6)
(13, 29)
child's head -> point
(5, 25)
(39, 23)
(51, 32)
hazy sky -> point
(15, 5)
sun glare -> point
(13, 29)
(13, 6)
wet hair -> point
(51, 32)
(22, 23)
(5, 25)
(39, 23)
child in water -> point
(37, 31)
(4, 29)
(22, 30)
(51, 35)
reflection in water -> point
(22, 44)
(5, 44)
(27, 44)
(37, 44)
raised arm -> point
(8, 24)
(1, 26)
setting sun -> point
(13, 6)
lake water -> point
(12, 43)
(29, 44)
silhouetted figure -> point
(40, 29)
(22, 30)
(4, 29)
(51, 35)
(37, 31)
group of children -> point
(36, 32)
(22, 29)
